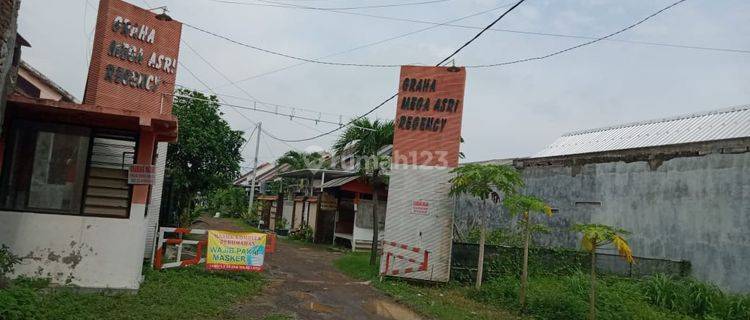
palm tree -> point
(525, 205)
(482, 181)
(365, 139)
(302, 160)
(594, 237)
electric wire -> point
(371, 44)
(480, 33)
(392, 5)
(581, 44)
(396, 94)
(270, 104)
(281, 54)
(524, 60)
(547, 34)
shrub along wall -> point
(506, 261)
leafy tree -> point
(230, 200)
(594, 237)
(206, 156)
(486, 182)
(366, 138)
(526, 205)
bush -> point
(498, 237)
(230, 201)
(7, 260)
(693, 298)
(253, 217)
(305, 233)
(18, 302)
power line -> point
(547, 34)
(396, 94)
(650, 43)
(343, 8)
(482, 66)
(235, 107)
(290, 116)
(480, 33)
(318, 61)
(371, 43)
(276, 53)
(582, 44)
(275, 105)
(479, 66)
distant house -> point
(353, 198)
(352, 204)
(681, 185)
(34, 84)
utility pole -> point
(255, 170)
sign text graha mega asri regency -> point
(428, 116)
(134, 54)
(134, 58)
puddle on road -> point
(391, 310)
(320, 308)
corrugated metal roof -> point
(338, 182)
(713, 125)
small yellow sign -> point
(242, 251)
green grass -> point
(441, 301)
(187, 293)
(561, 296)
(659, 297)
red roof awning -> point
(164, 125)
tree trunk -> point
(186, 220)
(375, 220)
(525, 267)
(482, 231)
(592, 292)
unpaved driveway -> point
(304, 284)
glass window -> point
(46, 168)
(54, 168)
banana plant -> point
(594, 237)
(525, 206)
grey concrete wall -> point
(689, 208)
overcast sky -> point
(509, 111)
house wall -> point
(46, 91)
(312, 218)
(154, 206)
(299, 212)
(689, 208)
(286, 213)
(89, 252)
(363, 220)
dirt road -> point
(304, 284)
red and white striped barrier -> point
(159, 254)
(158, 260)
(420, 265)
